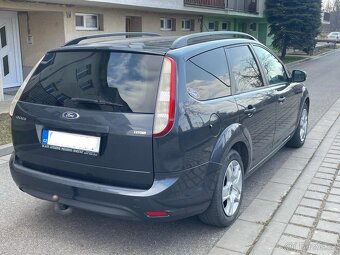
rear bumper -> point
(180, 194)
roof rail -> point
(206, 37)
(82, 38)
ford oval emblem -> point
(70, 115)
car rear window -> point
(96, 80)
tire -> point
(222, 213)
(300, 133)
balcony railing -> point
(249, 6)
(220, 4)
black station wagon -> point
(154, 128)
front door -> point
(255, 102)
(10, 64)
(133, 24)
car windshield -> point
(96, 80)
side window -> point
(244, 68)
(272, 67)
(207, 75)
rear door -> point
(255, 101)
(99, 96)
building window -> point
(168, 24)
(87, 21)
(225, 26)
(186, 24)
(211, 26)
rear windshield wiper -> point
(94, 101)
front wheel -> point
(225, 204)
(300, 134)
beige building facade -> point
(30, 28)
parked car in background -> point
(334, 36)
(154, 128)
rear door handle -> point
(250, 110)
(282, 99)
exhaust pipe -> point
(62, 209)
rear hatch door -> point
(89, 115)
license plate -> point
(70, 142)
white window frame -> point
(184, 23)
(165, 21)
(209, 26)
(85, 28)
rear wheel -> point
(225, 204)
(300, 134)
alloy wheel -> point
(232, 188)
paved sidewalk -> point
(298, 211)
(309, 224)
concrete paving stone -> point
(329, 165)
(259, 211)
(302, 220)
(289, 205)
(321, 181)
(321, 249)
(311, 203)
(281, 251)
(240, 236)
(303, 152)
(335, 191)
(329, 226)
(336, 152)
(285, 176)
(220, 251)
(325, 237)
(291, 243)
(331, 155)
(336, 184)
(316, 135)
(333, 198)
(332, 160)
(318, 188)
(324, 176)
(312, 144)
(295, 163)
(332, 207)
(321, 128)
(6, 158)
(330, 216)
(307, 211)
(327, 170)
(269, 239)
(274, 191)
(297, 230)
(335, 147)
(314, 195)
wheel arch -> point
(234, 137)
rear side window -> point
(96, 80)
(207, 75)
(272, 67)
(244, 68)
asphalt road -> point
(30, 226)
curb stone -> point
(231, 242)
(6, 149)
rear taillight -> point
(165, 106)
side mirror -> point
(298, 76)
